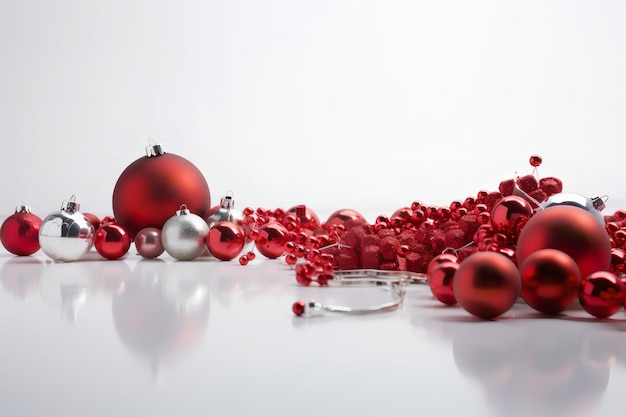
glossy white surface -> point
(161, 337)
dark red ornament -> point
(272, 239)
(570, 229)
(225, 240)
(112, 240)
(487, 284)
(601, 294)
(308, 220)
(154, 186)
(510, 214)
(535, 160)
(20, 232)
(441, 282)
(344, 217)
(550, 280)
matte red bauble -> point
(225, 240)
(154, 186)
(601, 294)
(487, 284)
(112, 240)
(550, 280)
(571, 230)
(272, 239)
(20, 232)
(441, 282)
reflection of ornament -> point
(441, 282)
(271, 240)
(21, 276)
(550, 280)
(345, 217)
(66, 234)
(571, 230)
(66, 286)
(184, 235)
(20, 232)
(148, 242)
(487, 284)
(225, 212)
(602, 294)
(112, 240)
(154, 186)
(570, 199)
(225, 240)
(308, 222)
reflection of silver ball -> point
(576, 200)
(184, 235)
(65, 235)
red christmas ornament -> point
(93, 219)
(309, 222)
(438, 260)
(535, 160)
(344, 217)
(148, 242)
(601, 294)
(570, 229)
(550, 280)
(487, 284)
(20, 232)
(154, 186)
(441, 281)
(225, 240)
(510, 214)
(112, 240)
(272, 239)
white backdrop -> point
(331, 103)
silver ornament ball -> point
(184, 235)
(225, 212)
(577, 200)
(65, 235)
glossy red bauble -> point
(225, 240)
(272, 239)
(441, 282)
(510, 214)
(571, 230)
(550, 280)
(93, 219)
(112, 240)
(601, 294)
(487, 284)
(153, 187)
(20, 232)
(344, 217)
(438, 260)
(148, 242)
(308, 220)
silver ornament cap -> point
(184, 235)
(65, 235)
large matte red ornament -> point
(571, 230)
(510, 214)
(309, 222)
(441, 282)
(112, 240)
(225, 240)
(154, 186)
(272, 239)
(550, 280)
(20, 232)
(601, 294)
(343, 217)
(486, 284)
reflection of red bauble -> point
(550, 280)
(570, 229)
(487, 284)
(272, 239)
(152, 188)
(601, 294)
(225, 240)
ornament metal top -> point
(66, 234)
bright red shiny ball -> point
(20, 233)
(272, 239)
(344, 217)
(309, 222)
(550, 280)
(601, 294)
(441, 282)
(112, 240)
(510, 214)
(438, 260)
(487, 284)
(535, 160)
(152, 188)
(225, 240)
(570, 229)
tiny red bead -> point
(298, 308)
(291, 259)
(535, 160)
(416, 205)
(248, 211)
(403, 250)
(253, 234)
(243, 260)
(251, 255)
(323, 279)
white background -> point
(334, 104)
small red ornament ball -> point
(601, 294)
(148, 242)
(486, 284)
(535, 160)
(112, 240)
(93, 219)
(344, 217)
(153, 187)
(272, 239)
(569, 229)
(510, 214)
(441, 282)
(225, 240)
(550, 280)
(20, 232)
(309, 222)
